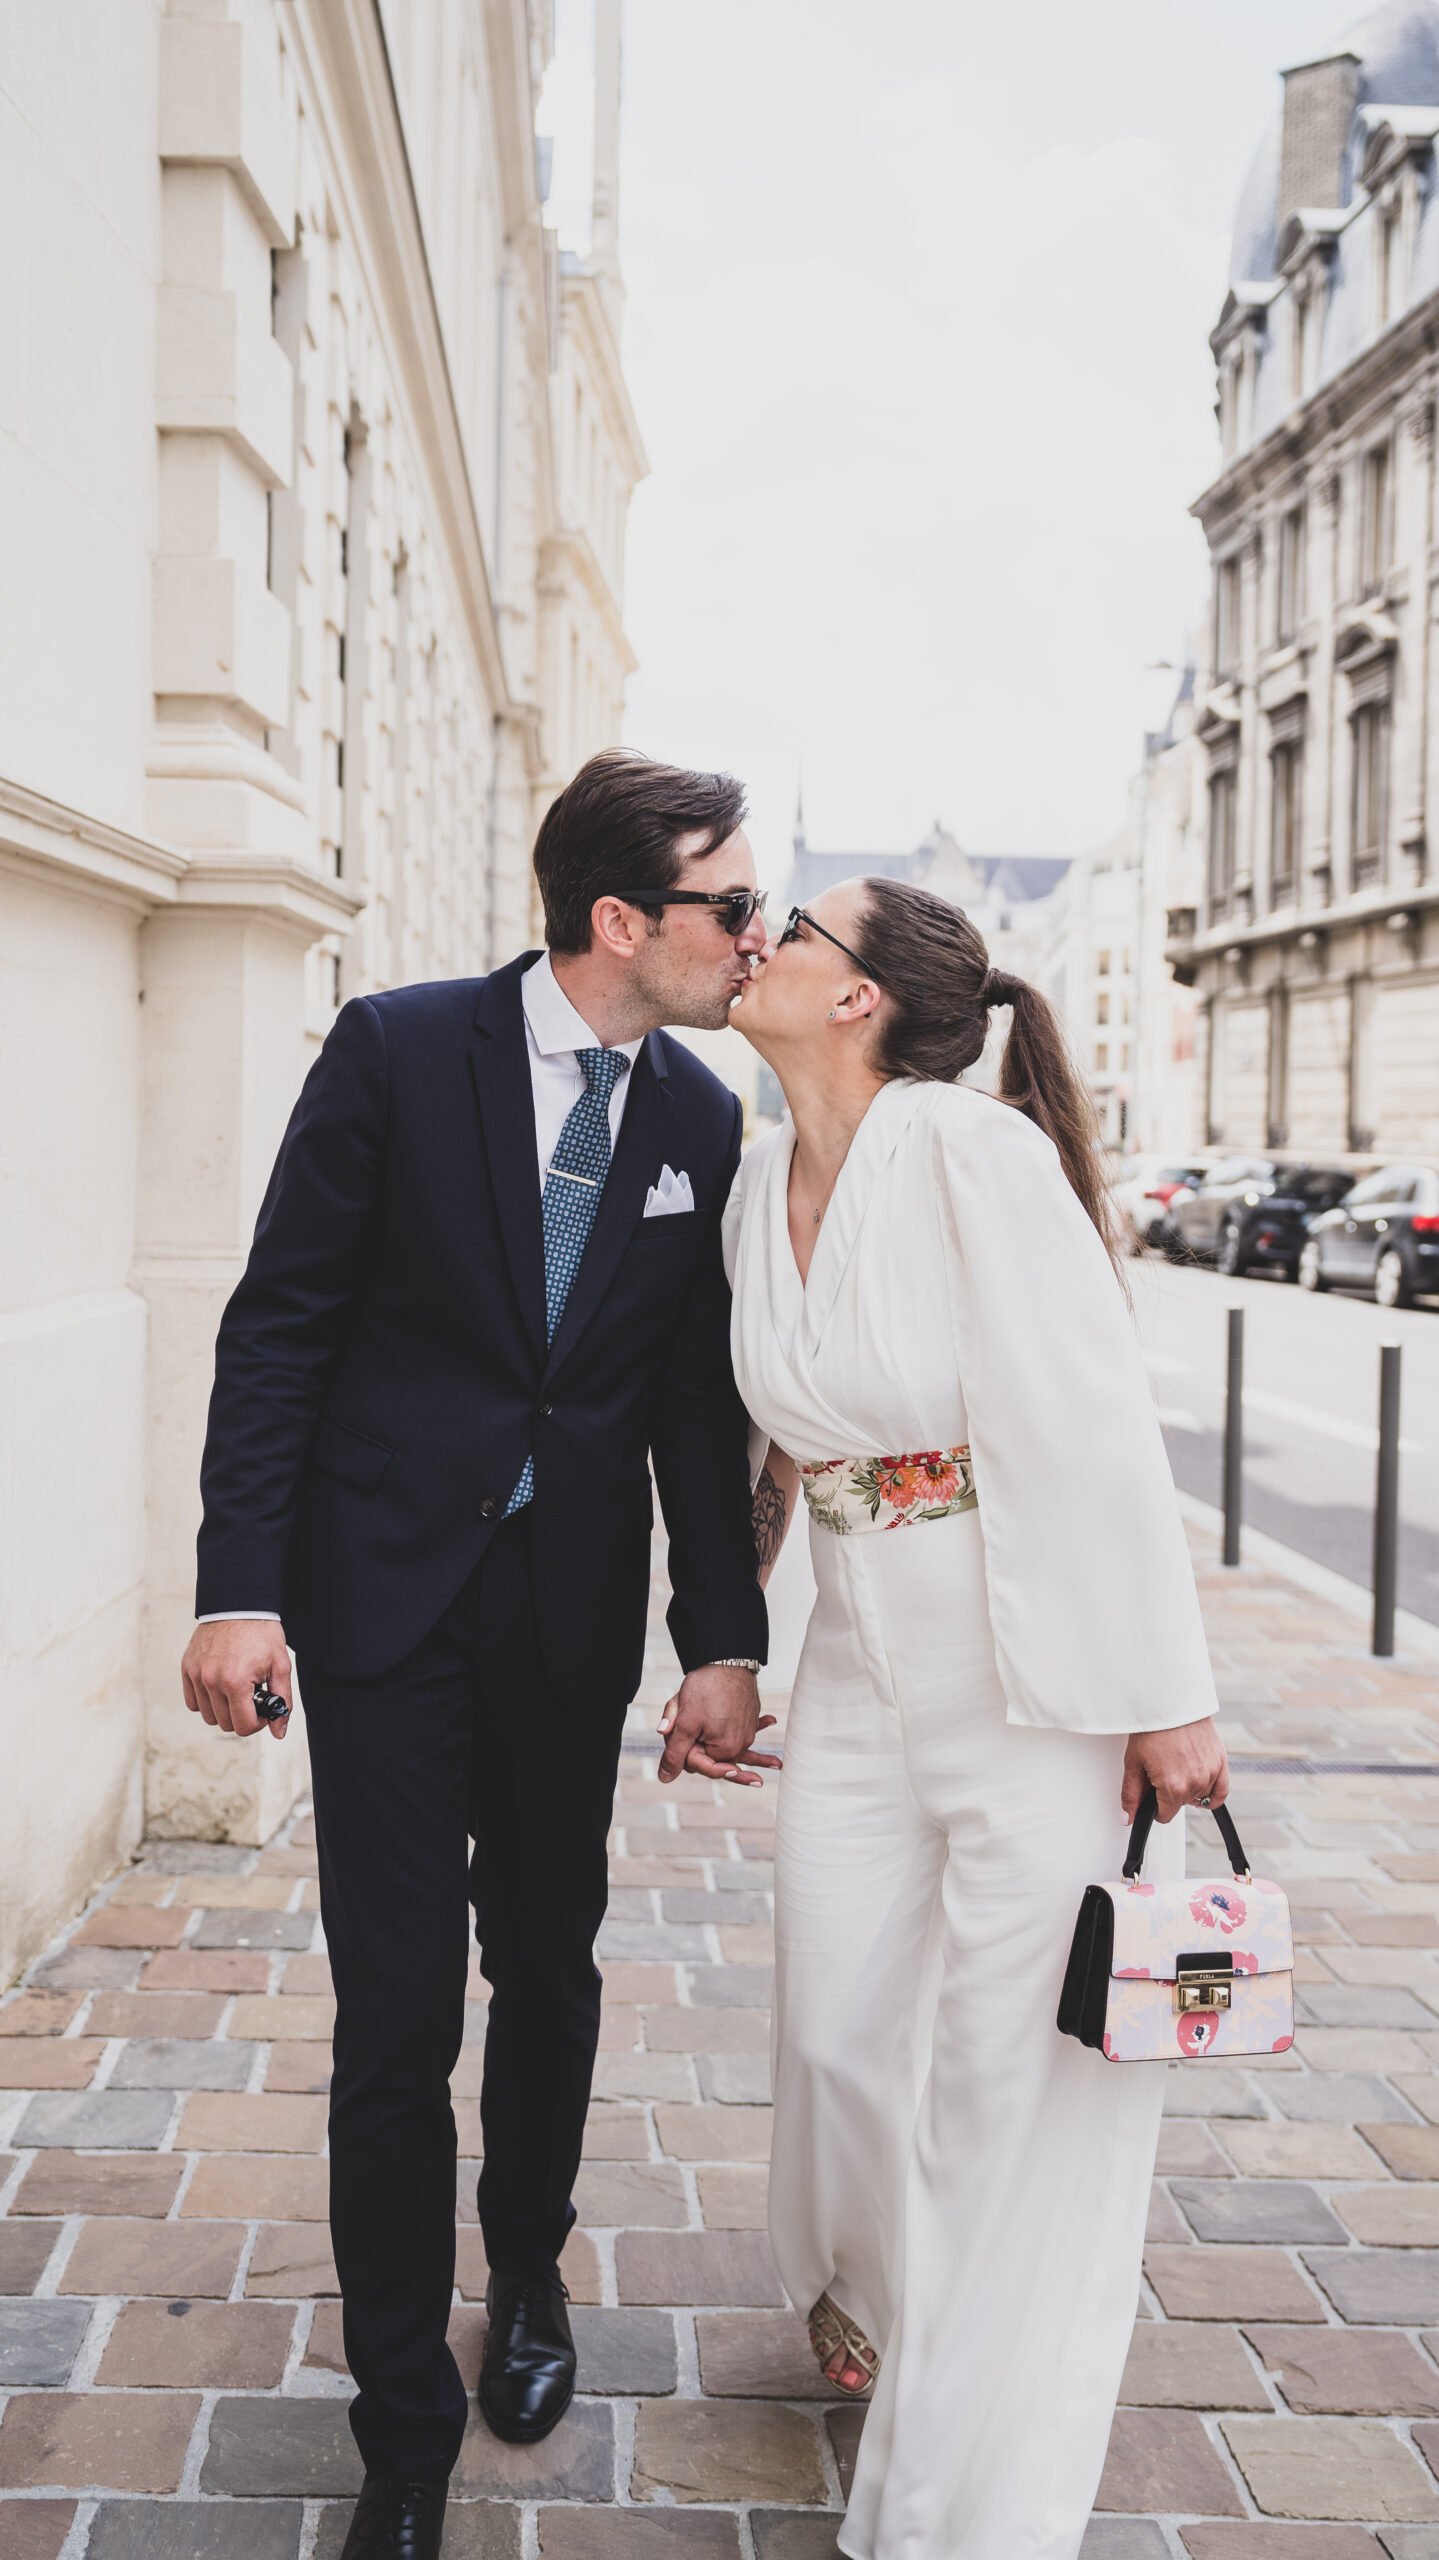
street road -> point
(1311, 1397)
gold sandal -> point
(829, 2331)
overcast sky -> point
(918, 305)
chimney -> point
(605, 228)
(1319, 103)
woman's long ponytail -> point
(933, 968)
(1038, 1075)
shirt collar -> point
(554, 1026)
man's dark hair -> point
(615, 829)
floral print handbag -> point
(1173, 1972)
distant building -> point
(1004, 894)
(992, 887)
(1311, 933)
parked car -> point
(1251, 1213)
(1142, 1192)
(1383, 1235)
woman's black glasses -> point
(740, 906)
(801, 915)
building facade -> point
(314, 465)
(1310, 929)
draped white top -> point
(959, 1293)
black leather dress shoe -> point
(527, 2379)
(397, 2519)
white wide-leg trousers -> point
(968, 2184)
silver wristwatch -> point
(735, 1662)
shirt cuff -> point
(217, 1617)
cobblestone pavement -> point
(171, 2372)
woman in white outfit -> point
(930, 1336)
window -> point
(1306, 334)
(1101, 1057)
(1371, 790)
(1286, 766)
(1374, 521)
(1101, 1008)
(1101, 964)
(1221, 841)
(1291, 575)
(1226, 616)
(1393, 265)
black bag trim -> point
(1084, 2001)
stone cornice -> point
(65, 848)
(567, 546)
(270, 889)
(586, 311)
(69, 849)
(340, 50)
(1361, 907)
(1383, 371)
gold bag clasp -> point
(1203, 1986)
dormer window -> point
(1392, 257)
(1310, 335)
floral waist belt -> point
(849, 1494)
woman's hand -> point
(1186, 1765)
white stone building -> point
(314, 466)
(1311, 936)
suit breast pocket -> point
(335, 1450)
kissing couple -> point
(511, 1272)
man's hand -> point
(221, 1665)
(1187, 1765)
(710, 1728)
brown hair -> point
(933, 968)
(615, 828)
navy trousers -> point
(464, 1742)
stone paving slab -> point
(172, 2372)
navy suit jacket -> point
(382, 1371)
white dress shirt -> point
(553, 1033)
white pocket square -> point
(668, 1197)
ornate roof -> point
(1398, 50)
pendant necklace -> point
(816, 1214)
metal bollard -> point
(1234, 1437)
(1386, 1500)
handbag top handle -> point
(1144, 1824)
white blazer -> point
(959, 1294)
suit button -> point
(545, 1411)
(488, 1508)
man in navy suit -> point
(485, 1298)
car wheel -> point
(1230, 1259)
(1310, 1274)
(1391, 1281)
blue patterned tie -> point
(573, 1186)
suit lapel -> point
(636, 1160)
(499, 1057)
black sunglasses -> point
(801, 915)
(740, 906)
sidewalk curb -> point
(1415, 1636)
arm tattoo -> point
(769, 1515)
